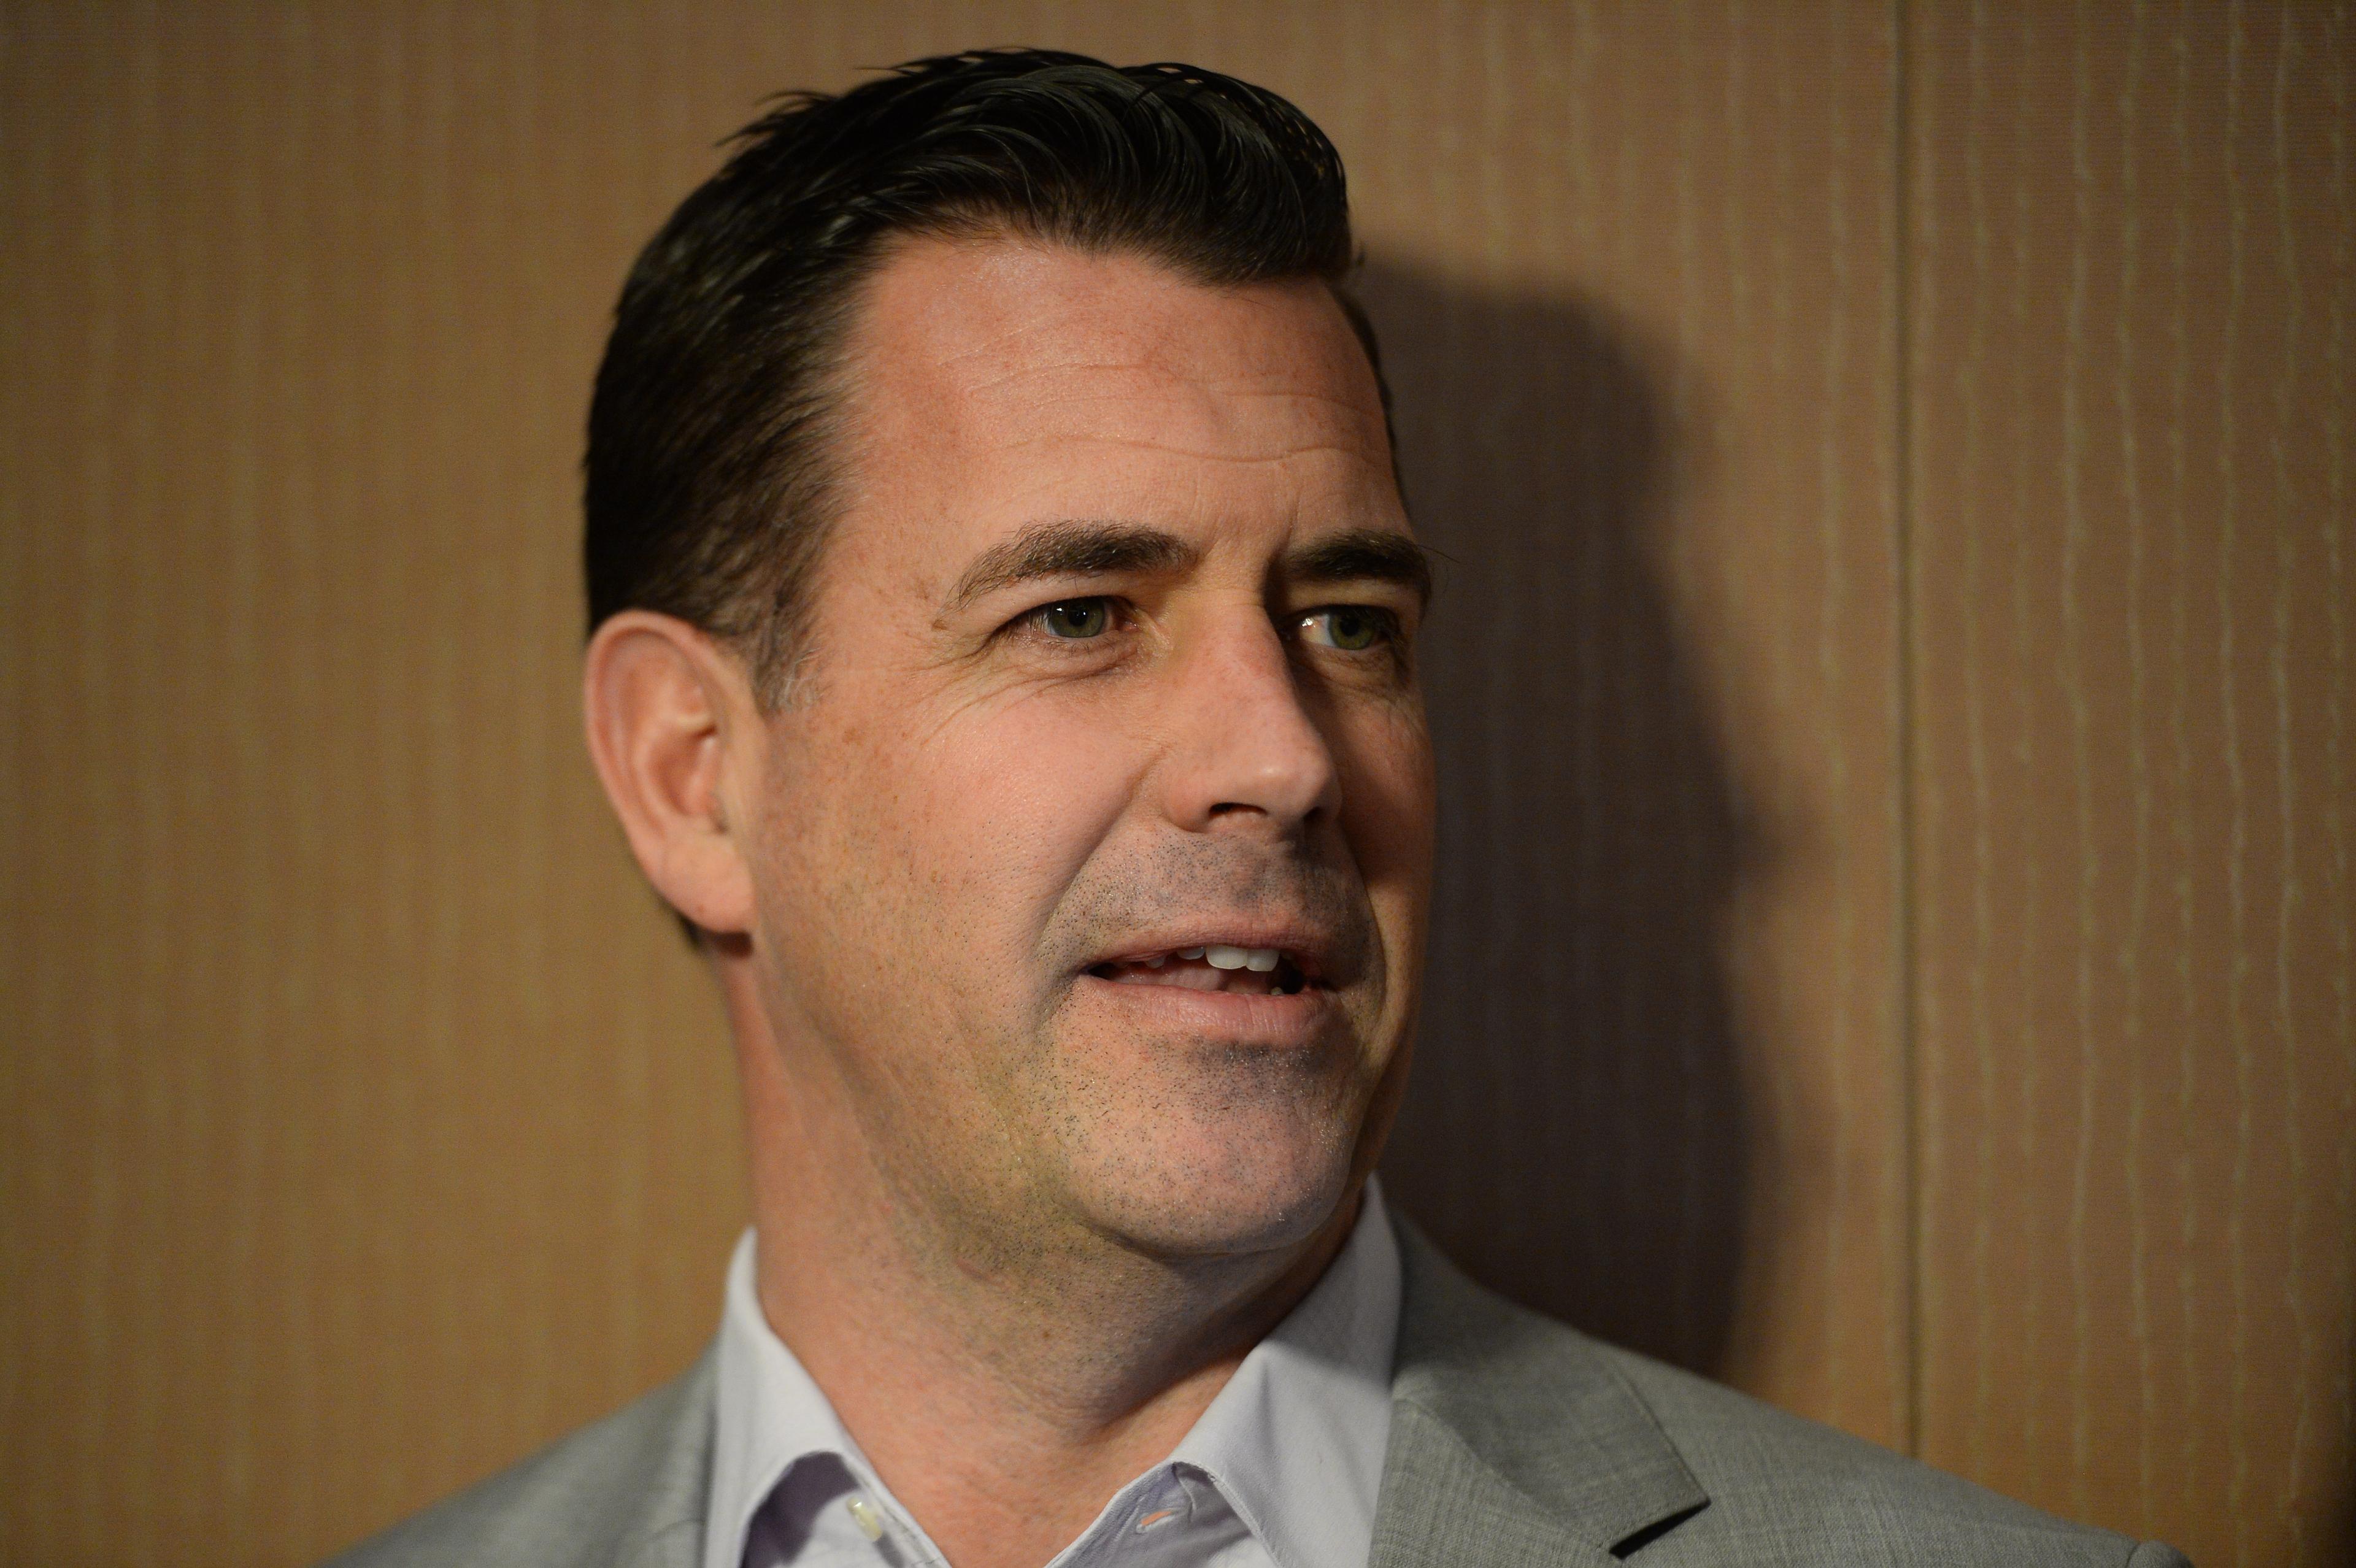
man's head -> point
(711, 469)
(1003, 617)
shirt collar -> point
(1294, 1441)
(1296, 1438)
(771, 1412)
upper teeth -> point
(1259, 960)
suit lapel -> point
(1513, 1439)
(663, 1526)
(1514, 1444)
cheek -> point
(999, 807)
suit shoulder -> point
(1637, 1459)
(596, 1497)
(1782, 1487)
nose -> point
(1246, 747)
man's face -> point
(1111, 676)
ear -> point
(672, 724)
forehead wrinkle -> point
(1226, 405)
(1004, 405)
(1268, 379)
(1248, 377)
(1146, 443)
(1000, 375)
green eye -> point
(1353, 628)
(1075, 619)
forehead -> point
(996, 383)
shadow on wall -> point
(1575, 1133)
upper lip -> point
(1311, 951)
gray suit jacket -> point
(1514, 1441)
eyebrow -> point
(1365, 555)
(1083, 548)
(1070, 549)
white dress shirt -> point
(1280, 1471)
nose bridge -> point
(1248, 742)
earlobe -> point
(666, 710)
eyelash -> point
(1123, 615)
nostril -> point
(1244, 808)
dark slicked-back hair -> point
(709, 487)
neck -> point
(1003, 1398)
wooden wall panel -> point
(2131, 296)
(1641, 323)
(362, 1124)
(368, 1127)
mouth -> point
(1218, 967)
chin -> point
(1198, 1187)
(1187, 1147)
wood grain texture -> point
(1890, 680)
(2130, 317)
(1663, 997)
(364, 1126)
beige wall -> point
(1892, 682)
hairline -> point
(777, 641)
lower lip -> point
(1297, 1017)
